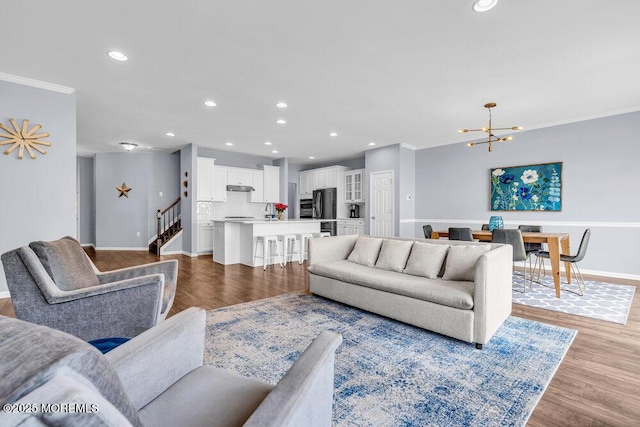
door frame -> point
(372, 200)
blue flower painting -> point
(527, 188)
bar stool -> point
(289, 247)
(268, 243)
(303, 238)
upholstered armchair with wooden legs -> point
(56, 285)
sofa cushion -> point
(366, 251)
(66, 263)
(457, 294)
(394, 254)
(426, 260)
(461, 261)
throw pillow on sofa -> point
(365, 251)
(394, 254)
(461, 261)
(426, 260)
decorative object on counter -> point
(489, 130)
(496, 223)
(23, 138)
(527, 188)
(124, 190)
(280, 208)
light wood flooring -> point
(597, 384)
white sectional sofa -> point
(458, 289)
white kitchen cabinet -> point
(350, 226)
(272, 184)
(205, 178)
(320, 179)
(353, 186)
(238, 176)
(257, 179)
(205, 237)
(219, 184)
(306, 183)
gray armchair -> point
(155, 379)
(55, 284)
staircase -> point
(169, 223)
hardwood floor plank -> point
(597, 384)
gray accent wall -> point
(86, 200)
(188, 172)
(119, 219)
(238, 160)
(38, 197)
(599, 179)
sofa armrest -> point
(492, 296)
(304, 396)
(325, 249)
(151, 362)
(169, 268)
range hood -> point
(242, 188)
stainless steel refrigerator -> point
(324, 207)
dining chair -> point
(531, 248)
(573, 261)
(485, 227)
(427, 230)
(513, 237)
(457, 233)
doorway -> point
(382, 200)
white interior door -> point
(381, 204)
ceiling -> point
(388, 72)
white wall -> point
(38, 197)
(599, 189)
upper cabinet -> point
(205, 178)
(306, 184)
(238, 176)
(353, 186)
(271, 183)
(219, 184)
(257, 179)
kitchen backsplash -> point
(237, 204)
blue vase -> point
(495, 222)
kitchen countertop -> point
(266, 221)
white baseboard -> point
(4, 294)
(88, 245)
(144, 248)
(189, 254)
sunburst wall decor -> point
(23, 138)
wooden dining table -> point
(558, 244)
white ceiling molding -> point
(36, 83)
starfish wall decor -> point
(124, 190)
(24, 138)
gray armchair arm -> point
(304, 396)
(151, 362)
(169, 268)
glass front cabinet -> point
(353, 186)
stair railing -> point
(168, 223)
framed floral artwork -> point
(527, 188)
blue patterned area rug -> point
(603, 301)
(389, 373)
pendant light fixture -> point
(128, 146)
(489, 130)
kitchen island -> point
(235, 240)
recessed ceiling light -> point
(371, 144)
(281, 105)
(311, 157)
(118, 56)
(281, 121)
(484, 5)
(274, 151)
(170, 134)
(209, 103)
(228, 143)
(267, 143)
(333, 134)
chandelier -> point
(489, 130)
